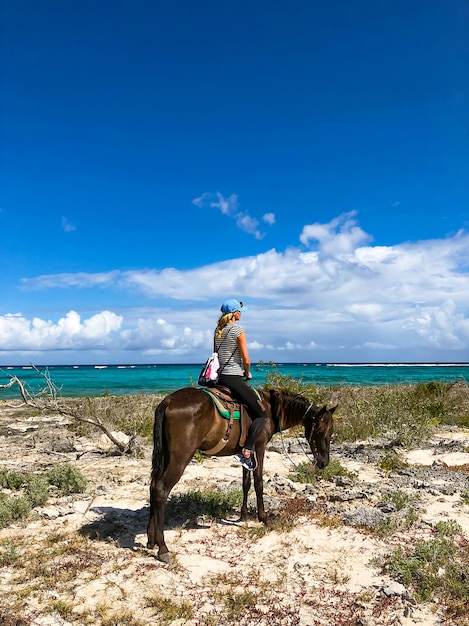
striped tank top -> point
(227, 346)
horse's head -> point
(319, 425)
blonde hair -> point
(222, 322)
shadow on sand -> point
(125, 527)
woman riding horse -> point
(188, 420)
(230, 343)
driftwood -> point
(48, 401)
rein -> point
(302, 471)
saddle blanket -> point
(221, 409)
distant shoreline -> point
(258, 364)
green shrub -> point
(13, 509)
(67, 479)
(37, 490)
(309, 473)
(11, 480)
(399, 498)
(448, 529)
(5, 511)
(9, 553)
(436, 568)
(306, 473)
(391, 462)
(212, 503)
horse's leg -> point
(160, 489)
(259, 484)
(158, 496)
(246, 487)
(151, 528)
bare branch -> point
(48, 401)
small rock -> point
(366, 518)
(386, 507)
(49, 513)
(347, 495)
(447, 490)
(421, 484)
(343, 481)
(393, 589)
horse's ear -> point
(331, 411)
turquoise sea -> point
(117, 380)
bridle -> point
(299, 469)
(311, 435)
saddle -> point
(231, 410)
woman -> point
(230, 343)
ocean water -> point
(117, 380)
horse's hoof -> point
(164, 558)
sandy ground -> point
(319, 571)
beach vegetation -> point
(9, 617)
(307, 472)
(62, 608)
(167, 610)
(406, 414)
(208, 503)
(123, 617)
(435, 569)
(391, 462)
(276, 380)
(387, 527)
(248, 598)
(10, 553)
(134, 415)
(286, 519)
(398, 498)
(66, 479)
(449, 528)
(31, 489)
(411, 517)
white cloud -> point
(340, 236)
(269, 218)
(67, 226)
(229, 206)
(343, 297)
(69, 332)
(64, 281)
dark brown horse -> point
(187, 420)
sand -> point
(224, 571)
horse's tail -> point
(159, 440)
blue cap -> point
(230, 306)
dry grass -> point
(408, 414)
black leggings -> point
(248, 396)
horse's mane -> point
(289, 409)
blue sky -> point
(307, 157)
